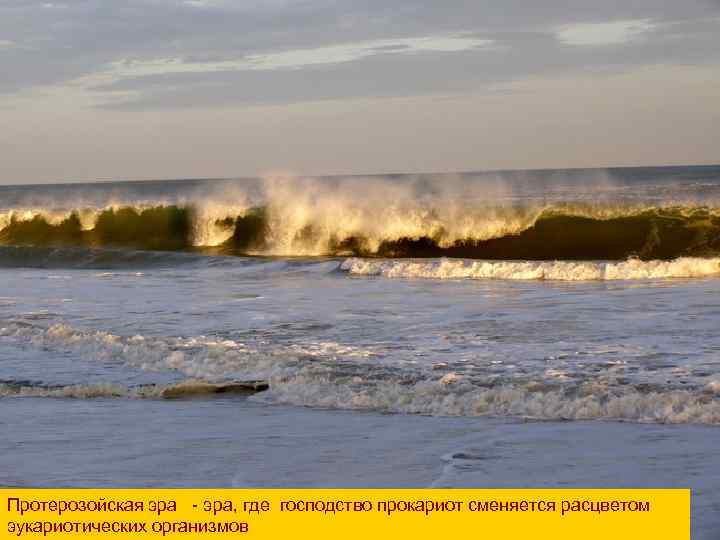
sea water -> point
(546, 328)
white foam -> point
(81, 391)
(461, 398)
(684, 267)
(186, 388)
(331, 375)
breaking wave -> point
(554, 233)
(381, 218)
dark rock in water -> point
(190, 389)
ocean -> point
(513, 328)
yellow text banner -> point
(552, 514)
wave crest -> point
(660, 214)
(558, 232)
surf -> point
(633, 269)
(556, 232)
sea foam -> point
(684, 267)
(331, 375)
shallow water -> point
(639, 350)
(237, 443)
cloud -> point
(604, 33)
(6, 44)
(198, 3)
(299, 58)
(168, 53)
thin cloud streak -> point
(299, 58)
(605, 33)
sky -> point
(140, 89)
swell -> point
(557, 232)
(25, 256)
